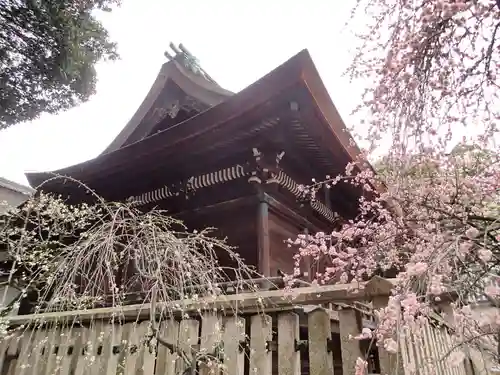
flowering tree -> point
(76, 257)
(436, 229)
(434, 64)
(431, 218)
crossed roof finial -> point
(187, 59)
(179, 51)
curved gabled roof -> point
(176, 81)
(237, 114)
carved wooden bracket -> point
(264, 168)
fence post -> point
(350, 349)
(232, 336)
(288, 337)
(211, 336)
(260, 338)
(320, 360)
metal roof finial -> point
(182, 55)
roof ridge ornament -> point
(187, 60)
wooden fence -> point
(283, 340)
(431, 352)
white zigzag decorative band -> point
(205, 180)
(293, 187)
(219, 177)
(223, 176)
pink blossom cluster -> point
(434, 230)
(431, 217)
(434, 67)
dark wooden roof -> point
(175, 83)
(319, 128)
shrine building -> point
(233, 161)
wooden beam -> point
(286, 212)
(221, 206)
(252, 301)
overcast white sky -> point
(236, 42)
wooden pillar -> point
(327, 197)
(264, 245)
(308, 262)
(390, 363)
(350, 349)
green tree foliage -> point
(48, 52)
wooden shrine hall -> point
(230, 161)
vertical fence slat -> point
(12, 352)
(101, 347)
(447, 368)
(455, 370)
(403, 347)
(234, 332)
(452, 370)
(91, 361)
(427, 349)
(390, 363)
(167, 359)
(429, 353)
(418, 353)
(210, 339)
(84, 352)
(72, 339)
(141, 348)
(433, 348)
(24, 365)
(132, 349)
(349, 348)
(462, 369)
(440, 351)
(447, 345)
(421, 339)
(162, 350)
(4, 345)
(44, 338)
(288, 334)
(149, 352)
(320, 360)
(412, 360)
(53, 339)
(114, 338)
(23, 354)
(260, 335)
(188, 336)
(35, 356)
(121, 366)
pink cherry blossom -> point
(361, 367)
(430, 217)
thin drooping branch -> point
(79, 257)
